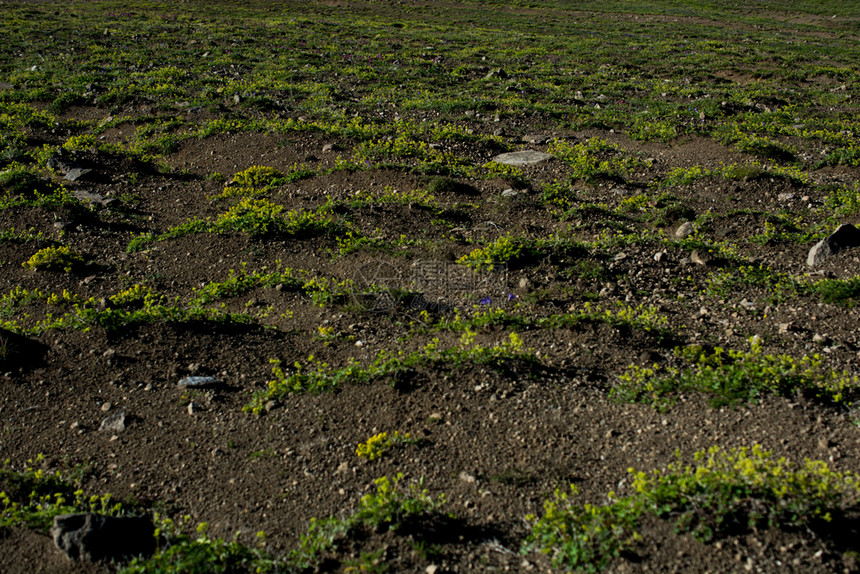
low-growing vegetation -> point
(255, 255)
(726, 492)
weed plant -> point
(60, 258)
(378, 444)
(315, 376)
(732, 377)
(726, 493)
(32, 497)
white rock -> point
(526, 157)
(684, 230)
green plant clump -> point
(845, 292)
(507, 250)
(59, 258)
(320, 378)
(727, 492)
(32, 497)
(731, 377)
(390, 507)
(376, 445)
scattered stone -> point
(59, 162)
(535, 139)
(524, 283)
(510, 192)
(747, 305)
(199, 382)
(701, 257)
(63, 225)
(329, 147)
(497, 73)
(96, 537)
(194, 408)
(610, 433)
(661, 256)
(607, 290)
(845, 236)
(431, 569)
(819, 339)
(684, 230)
(526, 157)
(114, 422)
(467, 478)
(785, 328)
(106, 406)
(620, 256)
(77, 173)
(93, 198)
(785, 197)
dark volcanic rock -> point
(97, 537)
(845, 236)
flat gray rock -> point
(199, 382)
(536, 138)
(77, 173)
(845, 236)
(114, 422)
(526, 157)
(90, 197)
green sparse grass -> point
(257, 217)
(844, 292)
(594, 160)
(316, 376)
(732, 377)
(390, 506)
(725, 493)
(776, 286)
(32, 497)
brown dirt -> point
(497, 444)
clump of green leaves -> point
(778, 286)
(734, 172)
(258, 217)
(391, 506)
(20, 179)
(60, 258)
(32, 497)
(731, 377)
(845, 292)
(201, 553)
(378, 444)
(258, 180)
(726, 492)
(594, 160)
(507, 250)
(315, 376)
